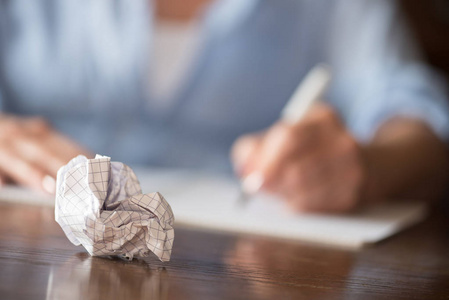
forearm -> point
(405, 160)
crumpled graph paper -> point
(100, 205)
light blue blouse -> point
(84, 65)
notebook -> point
(210, 201)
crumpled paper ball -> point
(100, 205)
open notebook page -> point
(210, 201)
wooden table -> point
(38, 262)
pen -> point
(309, 91)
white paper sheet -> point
(209, 201)
(99, 204)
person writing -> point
(318, 166)
(379, 132)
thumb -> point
(243, 151)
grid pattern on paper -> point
(101, 206)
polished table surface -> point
(38, 262)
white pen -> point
(309, 91)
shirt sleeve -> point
(378, 71)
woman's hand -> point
(31, 152)
(315, 165)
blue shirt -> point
(84, 66)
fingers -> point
(62, 147)
(19, 170)
(315, 164)
(36, 152)
(283, 145)
(273, 157)
(243, 153)
(325, 182)
(31, 152)
(42, 147)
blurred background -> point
(429, 21)
(171, 83)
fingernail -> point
(49, 184)
(252, 183)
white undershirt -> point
(174, 47)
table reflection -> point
(86, 277)
(300, 268)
